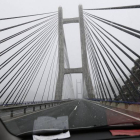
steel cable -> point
(124, 30)
(29, 85)
(4, 29)
(48, 76)
(113, 50)
(125, 76)
(20, 60)
(19, 51)
(119, 7)
(27, 72)
(21, 68)
(23, 31)
(100, 70)
(102, 65)
(26, 16)
(47, 50)
(23, 39)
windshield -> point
(70, 66)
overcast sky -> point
(131, 18)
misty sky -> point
(131, 18)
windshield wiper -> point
(132, 125)
(43, 132)
(126, 125)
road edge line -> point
(117, 111)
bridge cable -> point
(52, 38)
(111, 22)
(110, 71)
(19, 72)
(94, 71)
(124, 30)
(95, 59)
(112, 74)
(55, 79)
(116, 62)
(25, 95)
(50, 49)
(120, 7)
(111, 60)
(99, 71)
(20, 50)
(116, 81)
(19, 83)
(25, 38)
(23, 31)
(104, 70)
(20, 60)
(42, 74)
(131, 83)
(106, 66)
(121, 61)
(53, 61)
(137, 55)
(26, 62)
(26, 16)
(48, 75)
(11, 27)
(31, 66)
(103, 89)
(114, 51)
(10, 80)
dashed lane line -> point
(35, 112)
(75, 108)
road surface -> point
(80, 113)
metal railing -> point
(28, 105)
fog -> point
(128, 17)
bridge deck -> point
(81, 113)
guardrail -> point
(131, 106)
(125, 102)
(25, 107)
(28, 103)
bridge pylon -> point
(61, 41)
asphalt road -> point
(80, 113)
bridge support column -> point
(61, 43)
(59, 86)
(86, 74)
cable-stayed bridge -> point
(36, 75)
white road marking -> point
(117, 111)
(35, 112)
(75, 108)
(72, 111)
